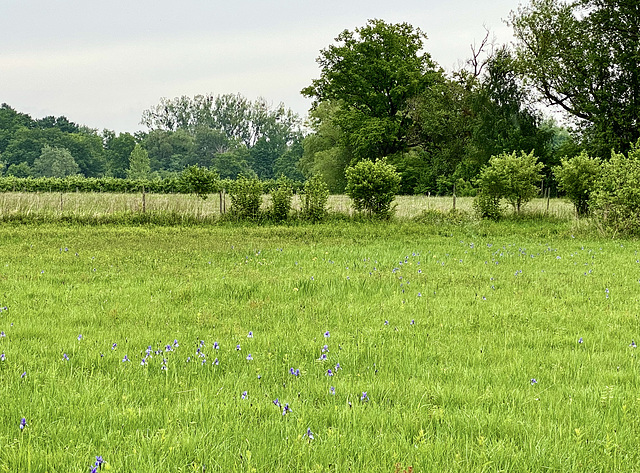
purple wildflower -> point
(332, 390)
(533, 381)
(323, 357)
(249, 357)
(215, 362)
(79, 337)
(24, 373)
(244, 395)
(23, 423)
(2, 357)
(580, 340)
(327, 334)
(216, 346)
(329, 372)
(632, 344)
(309, 434)
(99, 461)
(114, 346)
(65, 357)
(276, 402)
(238, 347)
(338, 366)
(144, 362)
(412, 322)
(364, 396)
(325, 349)
(250, 335)
(126, 358)
(175, 343)
(2, 334)
(286, 410)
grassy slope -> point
(493, 306)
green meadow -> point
(346, 346)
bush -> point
(246, 197)
(373, 186)
(200, 181)
(487, 206)
(315, 194)
(616, 199)
(510, 177)
(577, 177)
(281, 199)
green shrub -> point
(510, 177)
(281, 197)
(315, 195)
(577, 177)
(246, 197)
(373, 186)
(616, 199)
(200, 181)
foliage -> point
(315, 194)
(581, 56)
(487, 205)
(371, 74)
(577, 177)
(246, 197)
(373, 186)
(511, 177)
(281, 198)
(55, 162)
(616, 200)
(200, 181)
(139, 164)
(21, 170)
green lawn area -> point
(485, 347)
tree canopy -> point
(582, 56)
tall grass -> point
(77, 205)
(477, 350)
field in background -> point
(94, 204)
(349, 347)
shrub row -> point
(170, 185)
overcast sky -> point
(101, 63)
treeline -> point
(225, 133)
(380, 95)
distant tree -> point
(371, 74)
(55, 162)
(139, 167)
(19, 170)
(117, 149)
(582, 57)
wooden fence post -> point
(144, 201)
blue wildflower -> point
(580, 340)
(533, 381)
(632, 344)
(364, 396)
(2, 334)
(79, 337)
(276, 402)
(327, 334)
(250, 335)
(286, 410)
(329, 372)
(216, 362)
(24, 373)
(244, 395)
(175, 343)
(126, 358)
(2, 357)
(114, 346)
(249, 357)
(332, 390)
(325, 349)
(65, 357)
(309, 434)
(216, 346)
(238, 347)
(99, 461)
(23, 423)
